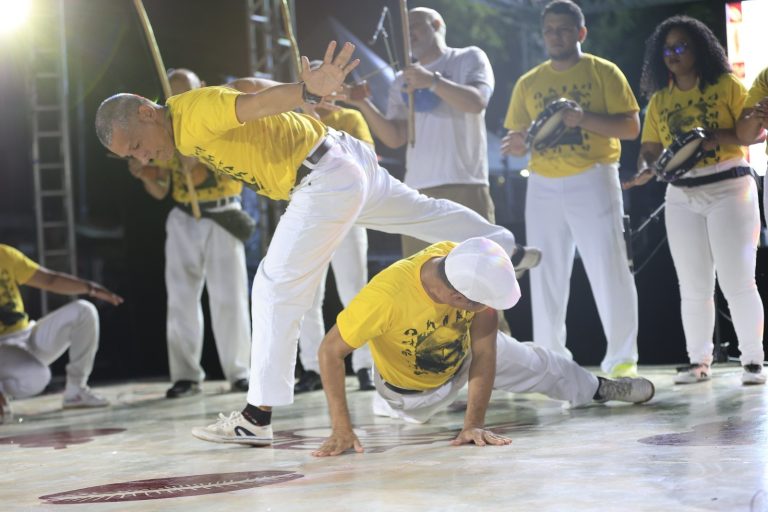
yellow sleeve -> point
(651, 125)
(619, 97)
(205, 113)
(20, 267)
(367, 316)
(758, 91)
(737, 94)
(517, 115)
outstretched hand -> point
(327, 79)
(480, 437)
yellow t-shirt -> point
(415, 343)
(758, 91)
(598, 86)
(350, 121)
(15, 269)
(214, 186)
(672, 112)
(265, 152)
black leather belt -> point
(216, 203)
(402, 391)
(313, 159)
(698, 181)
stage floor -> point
(692, 448)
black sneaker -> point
(239, 386)
(364, 379)
(182, 388)
(309, 381)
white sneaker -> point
(696, 372)
(83, 398)
(627, 389)
(753, 374)
(235, 429)
(525, 258)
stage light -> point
(525, 173)
(13, 14)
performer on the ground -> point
(350, 271)
(28, 347)
(754, 119)
(711, 213)
(574, 196)
(431, 323)
(201, 253)
(332, 179)
(452, 87)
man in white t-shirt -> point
(449, 159)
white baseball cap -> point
(481, 270)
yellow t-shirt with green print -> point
(415, 342)
(672, 112)
(266, 152)
(15, 269)
(214, 186)
(350, 121)
(598, 86)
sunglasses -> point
(677, 49)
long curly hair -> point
(710, 59)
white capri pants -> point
(350, 271)
(583, 212)
(26, 355)
(347, 187)
(715, 228)
(520, 368)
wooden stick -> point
(407, 56)
(160, 68)
(288, 25)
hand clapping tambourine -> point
(681, 155)
(548, 127)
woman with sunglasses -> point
(712, 213)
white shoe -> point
(525, 258)
(83, 398)
(627, 389)
(753, 374)
(695, 372)
(235, 429)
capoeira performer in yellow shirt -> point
(333, 182)
(430, 321)
(712, 213)
(574, 200)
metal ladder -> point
(270, 57)
(51, 163)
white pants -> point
(712, 227)
(350, 271)
(520, 368)
(346, 187)
(583, 211)
(26, 355)
(197, 253)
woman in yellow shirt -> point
(712, 213)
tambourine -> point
(548, 127)
(681, 156)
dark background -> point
(121, 229)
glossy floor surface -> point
(695, 447)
